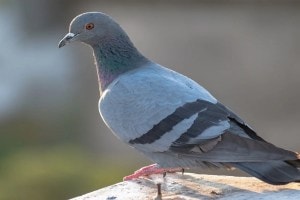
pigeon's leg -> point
(182, 171)
(151, 169)
(159, 195)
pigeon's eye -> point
(89, 26)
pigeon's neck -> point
(115, 56)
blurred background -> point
(53, 143)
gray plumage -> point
(167, 116)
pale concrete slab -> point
(195, 187)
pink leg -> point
(151, 169)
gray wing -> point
(237, 143)
(213, 134)
(239, 146)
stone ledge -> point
(194, 187)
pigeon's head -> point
(91, 28)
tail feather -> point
(272, 172)
(295, 163)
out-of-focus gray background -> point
(53, 144)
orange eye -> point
(89, 26)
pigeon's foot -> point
(151, 169)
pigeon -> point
(168, 117)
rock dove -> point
(168, 117)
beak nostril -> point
(66, 39)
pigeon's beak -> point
(67, 39)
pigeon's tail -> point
(272, 172)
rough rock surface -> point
(194, 187)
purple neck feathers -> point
(115, 56)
